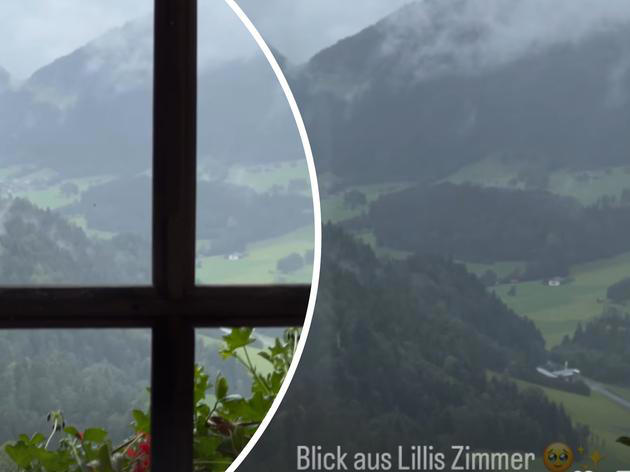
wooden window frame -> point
(173, 306)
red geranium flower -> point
(141, 454)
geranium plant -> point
(223, 422)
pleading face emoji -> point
(558, 457)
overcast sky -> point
(35, 32)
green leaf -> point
(235, 406)
(206, 446)
(20, 453)
(220, 387)
(259, 406)
(625, 440)
(277, 348)
(213, 443)
(266, 356)
(239, 337)
(53, 461)
(277, 379)
(240, 438)
(104, 457)
(71, 430)
(142, 421)
(96, 435)
(201, 385)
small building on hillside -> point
(554, 371)
(235, 256)
(556, 281)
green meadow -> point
(558, 310)
(81, 222)
(606, 420)
(265, 177)
(369, 238)
(335, 210)
(42, 187)
(587, 186)
(491, 171)
(502, 269)
(52, 196)
(258, 266)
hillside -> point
(39, 247)
(401, 349)
(90, 112)
(437, 86)
(601, 347)
(488, 224)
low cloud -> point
(465, 36)
(301, 28)
(36, 32)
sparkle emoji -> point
(558, 457)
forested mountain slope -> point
(402, 349)
(440, 84)
(550, 233)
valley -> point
(256, 262)
(606, 419)
(557, 311)
(476, 193)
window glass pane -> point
(92, 378)
(242, 375)
(75, 142)
(255, 208)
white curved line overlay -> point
(317, 223)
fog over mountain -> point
(470, 36)
(5, 79)
(438, 85)
(36, 33)
(395, 71)
(405, 103)
(90, 112)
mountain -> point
(436, 86)
(601, 347)
(243, 217)
(489, 224)
(431, 88)
(404, 349)
(90, 112)
(39, 247)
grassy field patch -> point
(259, 264)
(264, 177)
(502, 269)
(81, 222)
(335, 210)
(606, 420)
(52, 196)
(369, 238)
(557, 310)
(585, 185)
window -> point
(173, 306)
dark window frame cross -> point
(173, 306)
